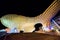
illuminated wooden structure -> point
(27, 23)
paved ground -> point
(31, 36)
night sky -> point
(26, 8)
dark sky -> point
(26, 8)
